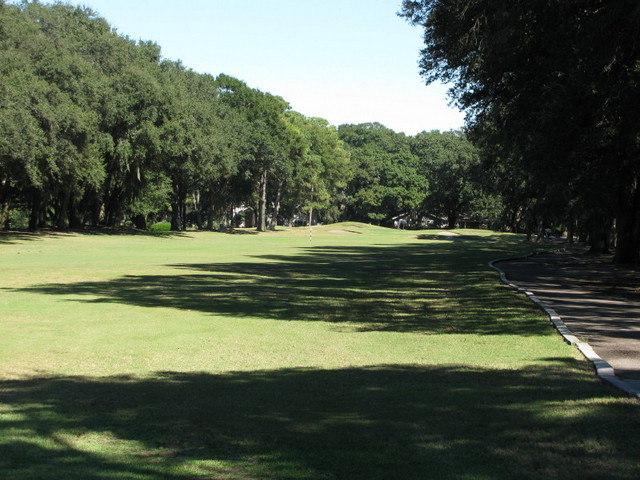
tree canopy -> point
(99, 130)
(551, 91)
(387, 181)
(96, 128)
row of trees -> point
(96, 128)
(432, 178)
(552, 91)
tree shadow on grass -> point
(379, 422)
(428, 288)
(18, 236)
(11, 237)
(129, 231)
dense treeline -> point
(552, 90)
(96, 129)
(430, 179)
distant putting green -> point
(364, 353)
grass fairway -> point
(365, 353)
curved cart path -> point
(599, 302)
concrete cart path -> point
(599, 302)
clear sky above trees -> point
(347, 61)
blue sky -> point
(349, 61)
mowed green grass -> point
(365, 353)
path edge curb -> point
(603, 369)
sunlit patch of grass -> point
(379, 355)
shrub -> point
(161, 227)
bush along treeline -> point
(100, 130)
(552, 91)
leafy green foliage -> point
(452, 165)
(161, 227)
(270, 141)
(96, 129)
(387, 180)
(198, 138)
(320, 173)
(552, 90)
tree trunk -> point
(198, 209)
(140, 221)
(570, 231)
(628, 226)
(529, 223)
(4, 216)
(277, 209)
(452, 219)
(178, 208)
(61, 222)
(5, 220)
(513, 220)
(598, 240)
(97, 213)
(183, 212)
(113, 207)
(262, 203)
(4, 201)
(75, 220)
(598, 233)
(583, 234)
(209, 217)
(176, 216)
(36, 216)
